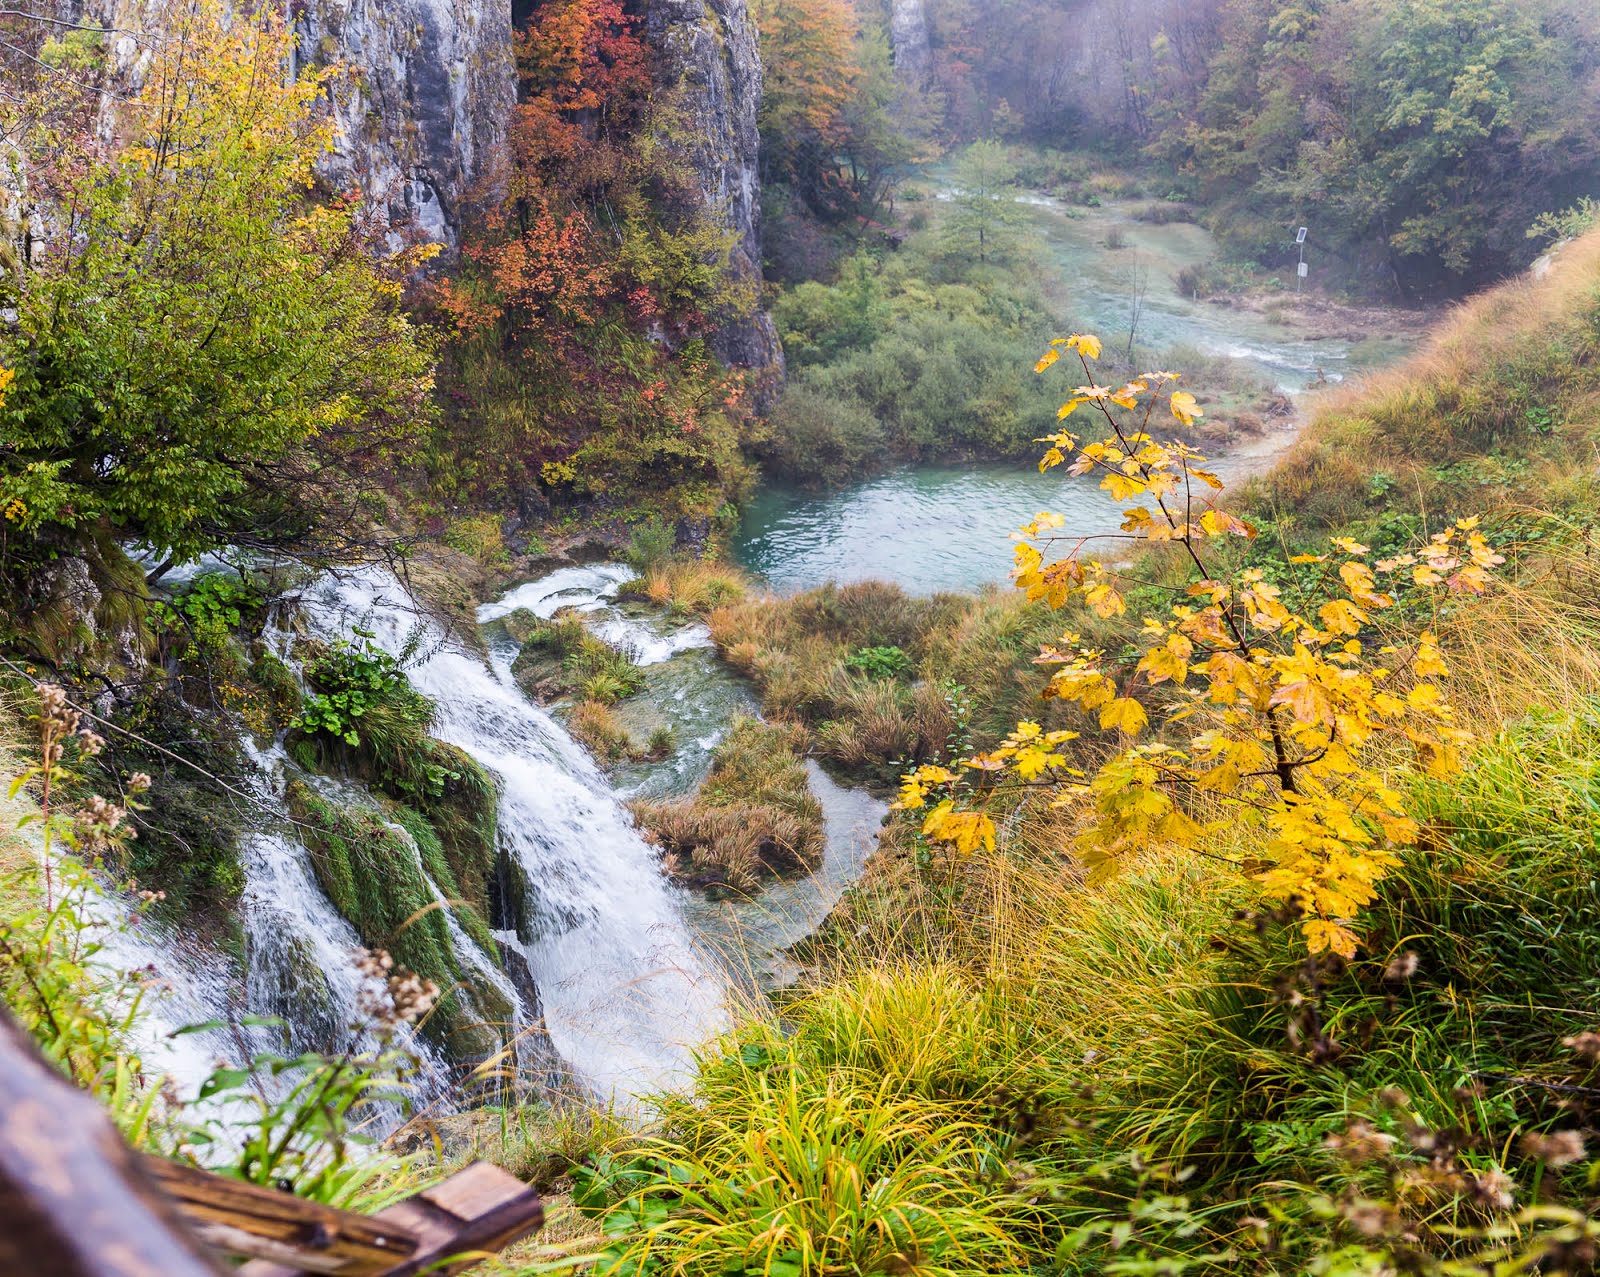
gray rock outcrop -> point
(708, 49)
(427, 101)
(433, 85)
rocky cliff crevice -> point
(432, 87)
(707, 50)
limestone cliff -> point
(432, 86)
(707, 48)
(430, 92)
(908, 39)
(433, 89)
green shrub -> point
(879, 662)
(822, 438)
(650, 542)
(352, 680)
(562, 658)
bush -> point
(596, 728)
(560, 657)
(649, 544)
(821, 438)
(480, 536)
(1163, 212)
(1195, 282)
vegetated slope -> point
(999, 1068)
(1500, 410)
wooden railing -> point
(75, 1201)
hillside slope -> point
(1001, 1068)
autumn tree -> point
(589, 285)
(1259, 710)
(203, 354)
(809, 73)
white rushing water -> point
(592, 590)
(625, 996)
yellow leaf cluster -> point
(1270, 696)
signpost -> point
(1300, 239)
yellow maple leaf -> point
(1323, 935)
(1125, 714)
(1185, 408)
(1429, 662)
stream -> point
(931, 527)
(630, 972)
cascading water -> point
(299, 950)
(625, 996)
(591, 590)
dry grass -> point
(1511, 375)
(597, 729)
(755, 816)
(693, 587)
(970, 655)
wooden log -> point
(244, 1219)
(477, 1211)
(75, 1201)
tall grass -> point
(1498, 410)
(754, 816)
(1149, 1074)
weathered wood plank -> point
(244, 1219)
(479, 1210)
(75, 1201)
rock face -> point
(430, 92)
(908, 41)
(708, 49)
(433, 89)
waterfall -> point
(626, 998)
(298, 967)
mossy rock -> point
(562, 658)
(521, 625)
(368, 862)
(86, 610)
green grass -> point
(561, 658)
(1137, 1053)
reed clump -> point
(692, 587)
(754, 817)
(560, 657)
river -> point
(932, 527)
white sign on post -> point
(1300, 236)
(1304, 270)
